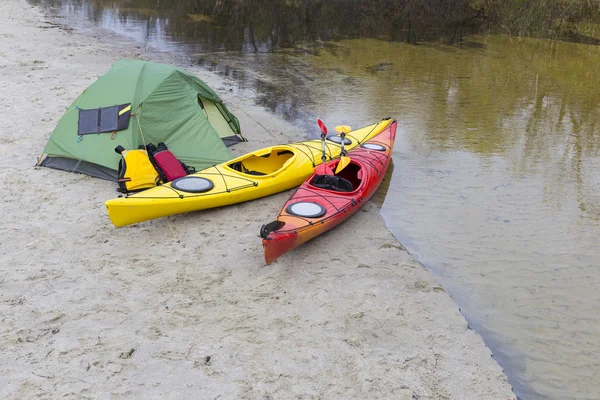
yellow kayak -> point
(261, 173)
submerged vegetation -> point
(268, 25)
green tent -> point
(136, 103)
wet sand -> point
(184, 307)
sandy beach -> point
(184, 307)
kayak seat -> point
(239, 166)
(255, 173)
(332, 182)
(260, 164)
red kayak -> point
(327, 199)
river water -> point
(496, 179)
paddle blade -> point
(343, 129)
(344, 161)
(322, 126)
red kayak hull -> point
(324, 201)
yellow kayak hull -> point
(254, 175)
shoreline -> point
(185, 305)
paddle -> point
(322, 168)
(344, 161)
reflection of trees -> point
(558, 19)
(562, 126)
(268, 25)
(273, 24)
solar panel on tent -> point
(88, 122)
(107, 119)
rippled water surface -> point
(496, 179)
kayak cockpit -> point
(263, 164)
(332, 182)
(347, 180)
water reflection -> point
(379, 197)
(495, 186)
(267, 26)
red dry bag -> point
(168, 167)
